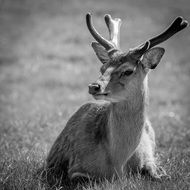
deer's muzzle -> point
(94, 88)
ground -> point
(46, 63)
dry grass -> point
(46, 64)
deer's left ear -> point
(152, 57)
(101, 53)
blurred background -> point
(46, 64)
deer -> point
(112, 135)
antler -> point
(178, 24)
(112, 44)
(114, 29)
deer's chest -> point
(124, 139)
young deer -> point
(111, 137)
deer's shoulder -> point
(86, 126)
(88, 122)
(89, 112)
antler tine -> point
(105, 43)
(177, 25)
(114, 29)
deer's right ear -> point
(101, 52)
(152, 57)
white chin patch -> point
(99, 97)
(111, 99)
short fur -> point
(112, 137)
(105, 139)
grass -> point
(46, 63)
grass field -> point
(46, 63)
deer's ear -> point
(101, 53)
(152, 57)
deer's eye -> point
(127, 73)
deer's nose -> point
(93, 88)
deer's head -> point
(123, 74)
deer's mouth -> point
(102, 95)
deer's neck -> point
(126, 122)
